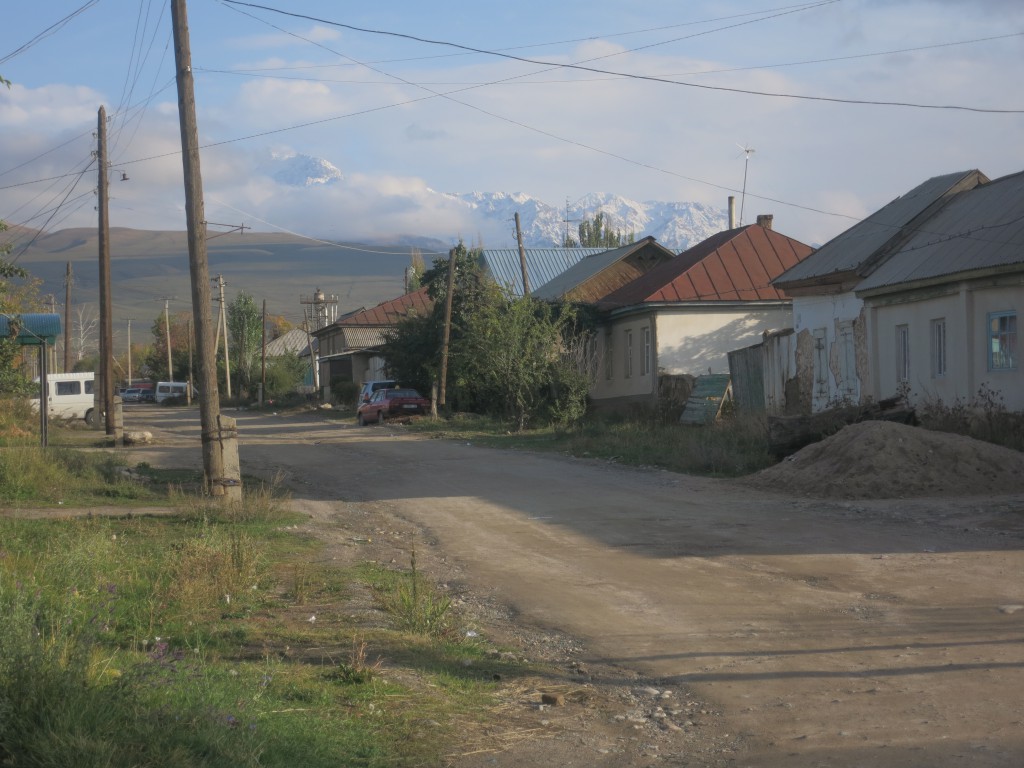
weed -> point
(415, 604)
(357, 669)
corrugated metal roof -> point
(542, 265)
(586, 269)
(364, 338)
(858, 246)
(390, 312)
(981, 228)
(293, 342)
(734, 265)
(30, 327)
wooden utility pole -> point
(522, 257)
(105, 390)
(447, 329)
(67, 319)
(263, 356)
(209, 402)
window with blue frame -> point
(1002, 341)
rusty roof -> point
(734, 265)
(390, 312)
(542, 265)
(582, 272)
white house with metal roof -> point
(942, 310)
(833, 353)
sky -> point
(653, 100)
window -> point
(847, 351)
(69, 388)
(645, 360)
(88, 386)
(938, 348)
(902, 353)
(1002, 341)
(628, 360)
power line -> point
(50, 30)
(645, 78)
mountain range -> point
(676, 225)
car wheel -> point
(380, 416)
(359, 420)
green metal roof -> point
(30, 329)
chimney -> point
(765, 220)
(732, 212)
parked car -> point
(369, 387)
(386, 403)
(131, 395)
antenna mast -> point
(747, 151)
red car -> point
(387, 403)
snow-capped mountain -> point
(675, 225)
(302, 170)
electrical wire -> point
(631, 76)
(50, 30)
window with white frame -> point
(1002, 341)
(628, 350)
(645, 361)
(902, 353)
(938, 348)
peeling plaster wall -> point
(828, 312)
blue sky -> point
(537, 127)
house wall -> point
(831, 353)
(685, 341)
(698, 341)
(965, 307)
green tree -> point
(245, 326)
(506, 355)
(155, 358)
(597, 233)
(19, 292)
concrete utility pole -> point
(522, 257)
(167, 339)
(215, 431)
(67, 319)
(224, 324)
(129, 351)
(105, 389)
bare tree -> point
(84, 331)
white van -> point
(168, 389)
(70, 395)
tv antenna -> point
(747, 152)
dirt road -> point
(820, 633)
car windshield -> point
(403, 393)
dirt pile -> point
(884, 460)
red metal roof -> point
(735, 265)
(390, 312)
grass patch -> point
(186, 640)
(731, 447)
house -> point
(831, 362)
(349, 346)
(683, 316)
(295, 342)
(594, 277)
(942, 310)
(505, 266)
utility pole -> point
(67, 319)
(129, 351)
(167, 338)
(447, 328)
(213, 437)
(224, 323)
(188, 389)
(522, 257)
(263, 356)
(105, 390)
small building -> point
(684, 316)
